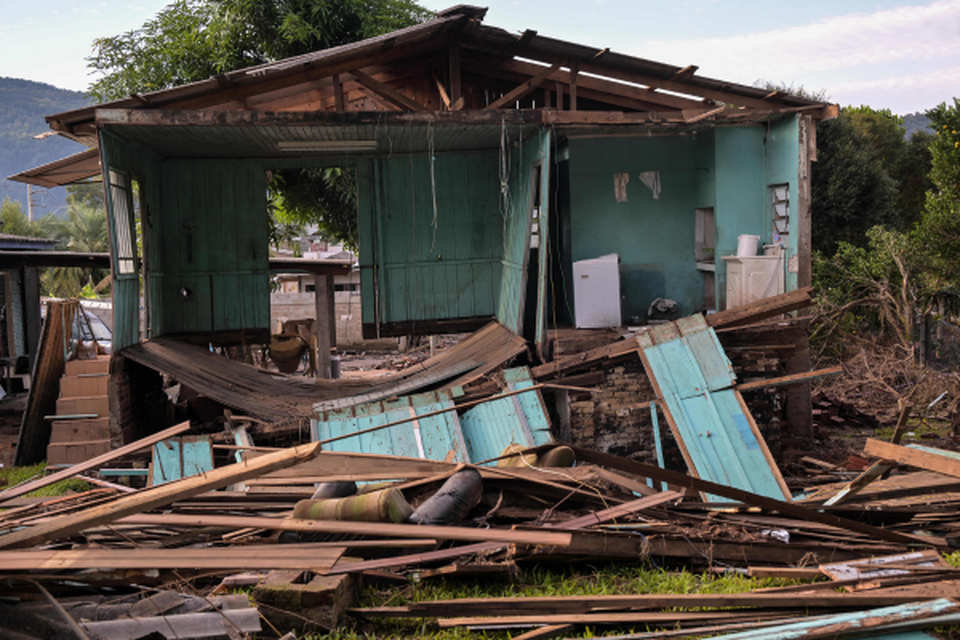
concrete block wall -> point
(300, 306)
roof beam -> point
(388, 93)
(525, 87)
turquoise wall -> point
(783, 156)
(741, 194)
(654, 238)
(211, 237)
(431, 264)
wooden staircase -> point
(81, 428)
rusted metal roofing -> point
(75, 168)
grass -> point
(919, 427)
(16, 475)
(537, 581)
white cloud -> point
(913, 34)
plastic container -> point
(747, 245)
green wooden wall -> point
(524, 159)
(210, 270)
(426, 261)
(138, 164)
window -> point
(123, 222)
(781, 214)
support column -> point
(326, 323)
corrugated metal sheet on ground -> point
(521, 419)
(720, 442)
(477, 355)
(481, 433)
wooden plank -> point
(157, 497)
(611, 618)
(94, 463)
(388, 93)
(524, 88)
(677, 479)
(312, 557)
(619, 511)
(945, 462)
(577, 605)
(762, 309)
(860, 483)
(187, 625)
(791, 379)
(386, 529)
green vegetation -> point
(553, 580)
(16, 475)
(880, 278)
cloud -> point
(913, 34)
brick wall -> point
(300, 306)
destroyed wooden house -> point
(496, 172)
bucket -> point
(747, 245)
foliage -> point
(939, 231)
(192, 40)
(86, 193)
(14, 222)
(84, 230)
(870, 289)
(17, 475)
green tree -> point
(192, 40)
(939, 231)
(851, 191)
(83, 230)
(14, 222)
(86, 193)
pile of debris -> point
(631, 447)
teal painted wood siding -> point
(430, 236)
(534, 152)
(210, 269)
(694, 378)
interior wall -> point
(741, 194)
(653, 237)
(210, 263)
(430, 237)
(782, 157)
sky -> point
(902, 56)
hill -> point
(913, 122)
(23, 105)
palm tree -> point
(84, 230)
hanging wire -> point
(433, 182)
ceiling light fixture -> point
(327, 145)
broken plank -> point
(946, 462)
(94, 463)
(385, 529)
(762, 309)
(861, 482)
(667, 618)
(678, 479)
(791, 379)
(315, 557)
(157, 497)
(620, 510)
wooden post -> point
(326, 323)
(455, 88)
(338, 94)
(574, 71)
(31, 311)
(804, 239)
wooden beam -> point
(157, 496)
(686, 72)
(444, 98)
(384, 529)
(94, 463)
(455, 79)
(338, 93)
(388, 93)
(574, 72)
(788, 380)
(762, 309)
(524, 88)
(945, 462)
